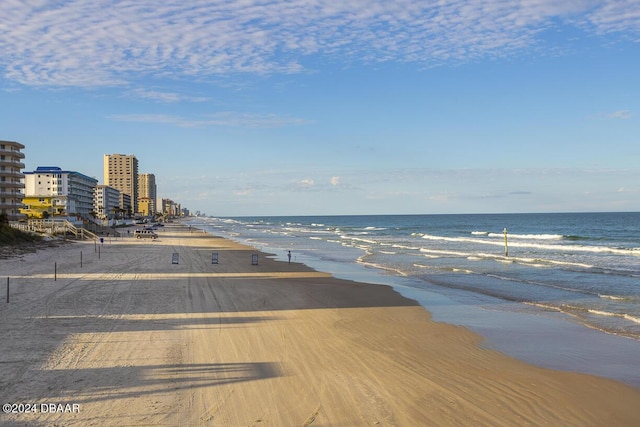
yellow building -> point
(42, 206)
(145, 206)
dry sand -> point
(132, 339)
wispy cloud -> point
(614, 115)
(166, 97)
(620, 114)
(105, 42)
(227, 118)
(616, 16)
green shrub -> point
(12, 236)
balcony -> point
(9, 173)
(11, 184)
(12, 153)
(11, 194)
(10, 204)
(11, 163)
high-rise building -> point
(121, 173)
(11, 184)
(147, 193)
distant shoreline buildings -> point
(51, 191)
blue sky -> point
(297, 107)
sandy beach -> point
(120, 334)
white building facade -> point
(105, 201)
(72, 192)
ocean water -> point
(582, 267)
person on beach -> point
(289, 255)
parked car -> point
(145, 234)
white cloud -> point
(616, 16)
(335, 180)
(621, 114)
(105, 42)
(166, 97)
(232, 119)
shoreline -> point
(136, 339)
(553, 340)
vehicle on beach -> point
(145, 234)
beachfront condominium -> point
(11, 184)
(121, 173)
(106, 202)
(49, 191)
(147, 193)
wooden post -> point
(506, 247)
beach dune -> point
(137, 337)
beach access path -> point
(135, 337)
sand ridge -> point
(136, 340)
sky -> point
(322, 107)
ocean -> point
(581, 269)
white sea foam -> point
(612, 297)
(443, 252)
(601, 313)
(357, 239)
(552, 247)
(462, 270)
(529, 236)
(634, 319)
(625, 316)
(413, 248)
